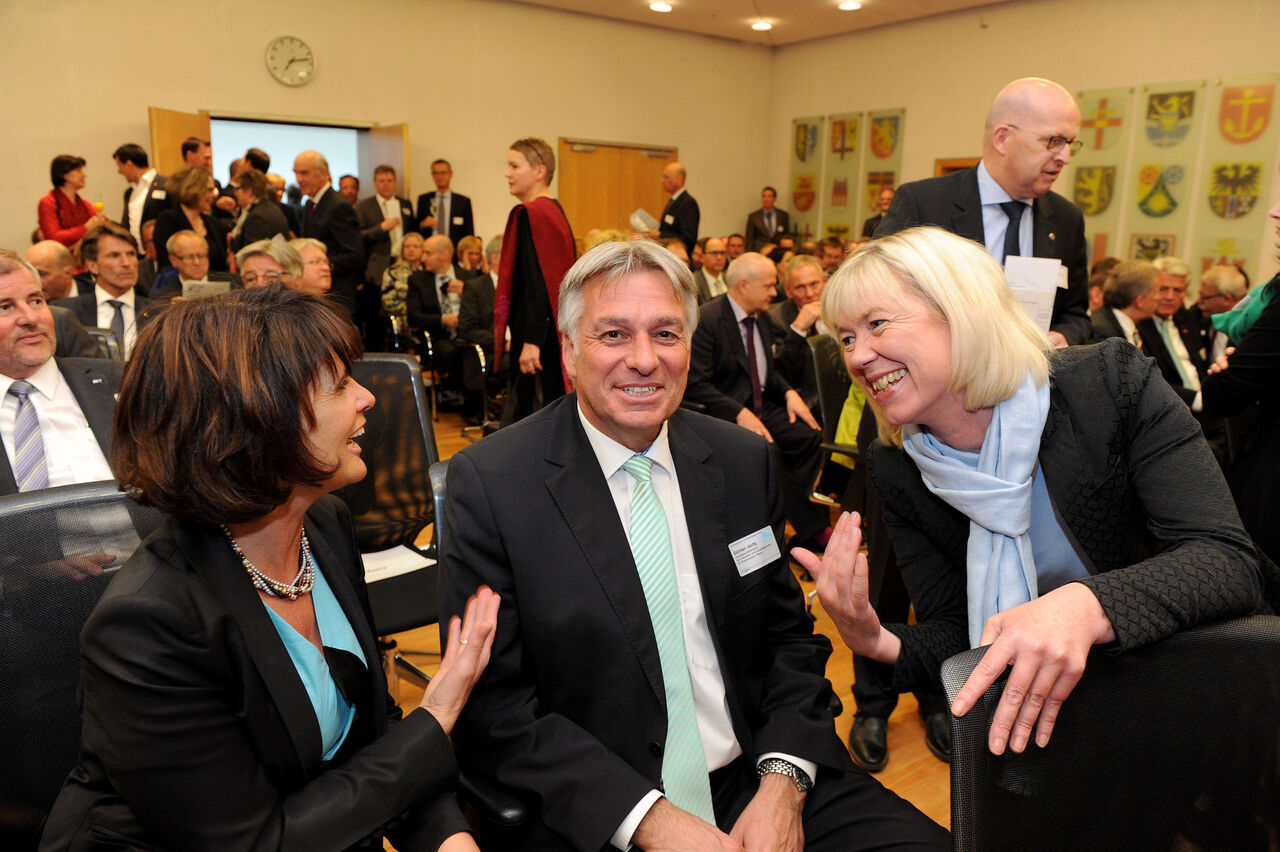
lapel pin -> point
(96, 381)
(1052, 235)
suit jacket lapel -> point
(730, 323)
(702, 491)
(966, 217)
(1044, 233)
(582, 495)
(98, 407)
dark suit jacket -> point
(869, 226)
(475, 317)
(333, 222)
(953, 202)
(571, 708)
(718, 376)
(73, 340)
(757, 234)
(152, 207)
(94, 382)
(703, 287)
(1106, 326)
(199, 734)
(792, 354)
(173, 219)
(1196, 331)
(1140, 498)
(684, 216)
(422, 303)
(85, 307)
(377, 242)
(265, 220)
(459, 209)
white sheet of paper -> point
(1034, 282)
(392, 563)
(643, 220)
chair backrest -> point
(392, 504)
(44, 538)
(106, 340)
(439, 472)
(1171, 746)
(833, 381)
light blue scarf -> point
(995, 495)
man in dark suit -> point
(883, 199)
(63, 399)
(654, 677)
(111, 256)
(709, 280)
(797, 318)
(734, 375)
(681, 215)
(445, 211)
(475, 327)
(146, 196)
(328, 218)
(1029, 138)
(384, 219)
(767, 223)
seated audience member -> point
(395, 281)
(193, 188)
(809, 247)
(434, 297)
(736, 245)
(709, 279)
(111, 256)
(55, 266)
(269, 262)
(55, 417)
(317, 272)
(988, 436)
(734, 375)
(675, 245)
(471, 257)
(1129, 303)
(1250, 383)
(1221, 289)
(797, 318)
(62, 214)
(605, 522)
(189, 256)
(695, 256)
(1097, 286)
(232, 695)
(832, 254)
(260, 217)
(475, 326)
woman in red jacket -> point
(63, 215)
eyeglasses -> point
(266, 279)
(715, 252)
(1056, 143)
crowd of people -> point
(626, 645)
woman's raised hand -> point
(465, 656)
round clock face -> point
(290, 60)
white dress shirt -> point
(739, 315)
(107, 313)
(719, 744)
(715, 286)
(391, 210)
(138, 200)
(71, 451)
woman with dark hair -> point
(263, 218)
(63, 215)
(195, 191)
(232, 691)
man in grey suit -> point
(709, 280)
(768, 223)
(1029, 138)
(58, 401)
(384, 219)
(111, 255)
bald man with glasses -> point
(1006, 202)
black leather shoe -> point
(937, 735)
(867, 743)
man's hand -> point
(747, 420)
(451, 320)
(455, 286)
(1047, 641)
(809, 314)
(1058, 341)
(771, 821)
(429, 222)
(1220, 363)
(531, 358)
(391, 224)
(797, 408)
(226, 203)
(666, 827)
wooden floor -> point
(913, 772)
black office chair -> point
(833, 389)
(392, 505)
(1175, 746)
(44, 603)
(106, 340)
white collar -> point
(611, 455)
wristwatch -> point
(778, 766)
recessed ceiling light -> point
(660, 7)
(761, 26)
(849, 7)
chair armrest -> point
(495, 805)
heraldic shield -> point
(1094, 189)
(1154, 196)
(1234, 188)
(806, 140)
(1169, 117)
(1245, 112)
(884, 136)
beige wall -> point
(946, 70)
(80, 74)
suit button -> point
(655, 749)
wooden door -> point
(953, 164)
(385, 144)
(602, 183)
(168, 130)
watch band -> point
(778, 766)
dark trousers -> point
(799, 449)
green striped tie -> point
(684, 764)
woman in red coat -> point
(63, 215)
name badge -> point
(457, 220)
(406, 210)
(159, 193)
(753, 552)
(669, 219)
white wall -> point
(469, 76)
(946, 70)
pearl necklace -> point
(302, 583)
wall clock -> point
(290, 60)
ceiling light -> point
(849, 7)
(660, 7)
(761, 26)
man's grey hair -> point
(615, 260)
(11, 260)
(494, 247)
(1172, 266)
(745, 265)
(1129, 281)
(278, 250)
(299, 243)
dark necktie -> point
(117, 323)
(757, 403)
(307, 211)
(30, 468)
(1012, 209)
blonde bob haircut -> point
(994, 343)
